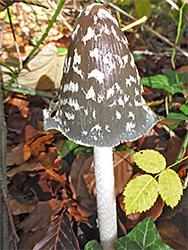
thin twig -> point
(30, 92)
(16, 44)
(174, 5)
(2, 32)
(4, 65)
(54, 7)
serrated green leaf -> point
(143, 236)
(176, 117)
(150, 161)
(140, 194)
(170, 187)
(184, 108)
(142, 8)
(93, 245)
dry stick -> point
(2, 32)
(16, 44)
(4, 207)
(38, 43)
(24, 91)
(185, 53)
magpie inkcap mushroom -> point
(100, 102)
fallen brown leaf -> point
(41, 215)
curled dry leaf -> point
(18, 155)
(27, 166)
(38, 145)
(17, 103)
(41, 215)
(44, 71)
(48, 159)
(80, 213)
(59, 235)
(80, 167)
(20, 208)
(16, 123)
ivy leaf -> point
(124, 243)
(170, 187)
(93, 245)
(140, 194)
(150, 161)
(143, 236)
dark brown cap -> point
(100, 101)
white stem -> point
(106, 202)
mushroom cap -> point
(100, 99)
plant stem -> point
(181, 151)
(106, 202)
(178, 36)
(4, 65)
(38, 43)
(30, 92)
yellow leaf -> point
(150, 161)
(140, 194)
(170, 187)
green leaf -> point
(93, 245)
(142, 8)
(170, 187)
(171, 75)
(167, 81)
(124, 243)
(140, 194)
(62, 50)
(176, 117)
(67, 148)
(143, 236)
(83, 150)
(184, 108)
(158, 81)
(150, 161)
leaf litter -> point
(50, 203)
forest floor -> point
(51, 186)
